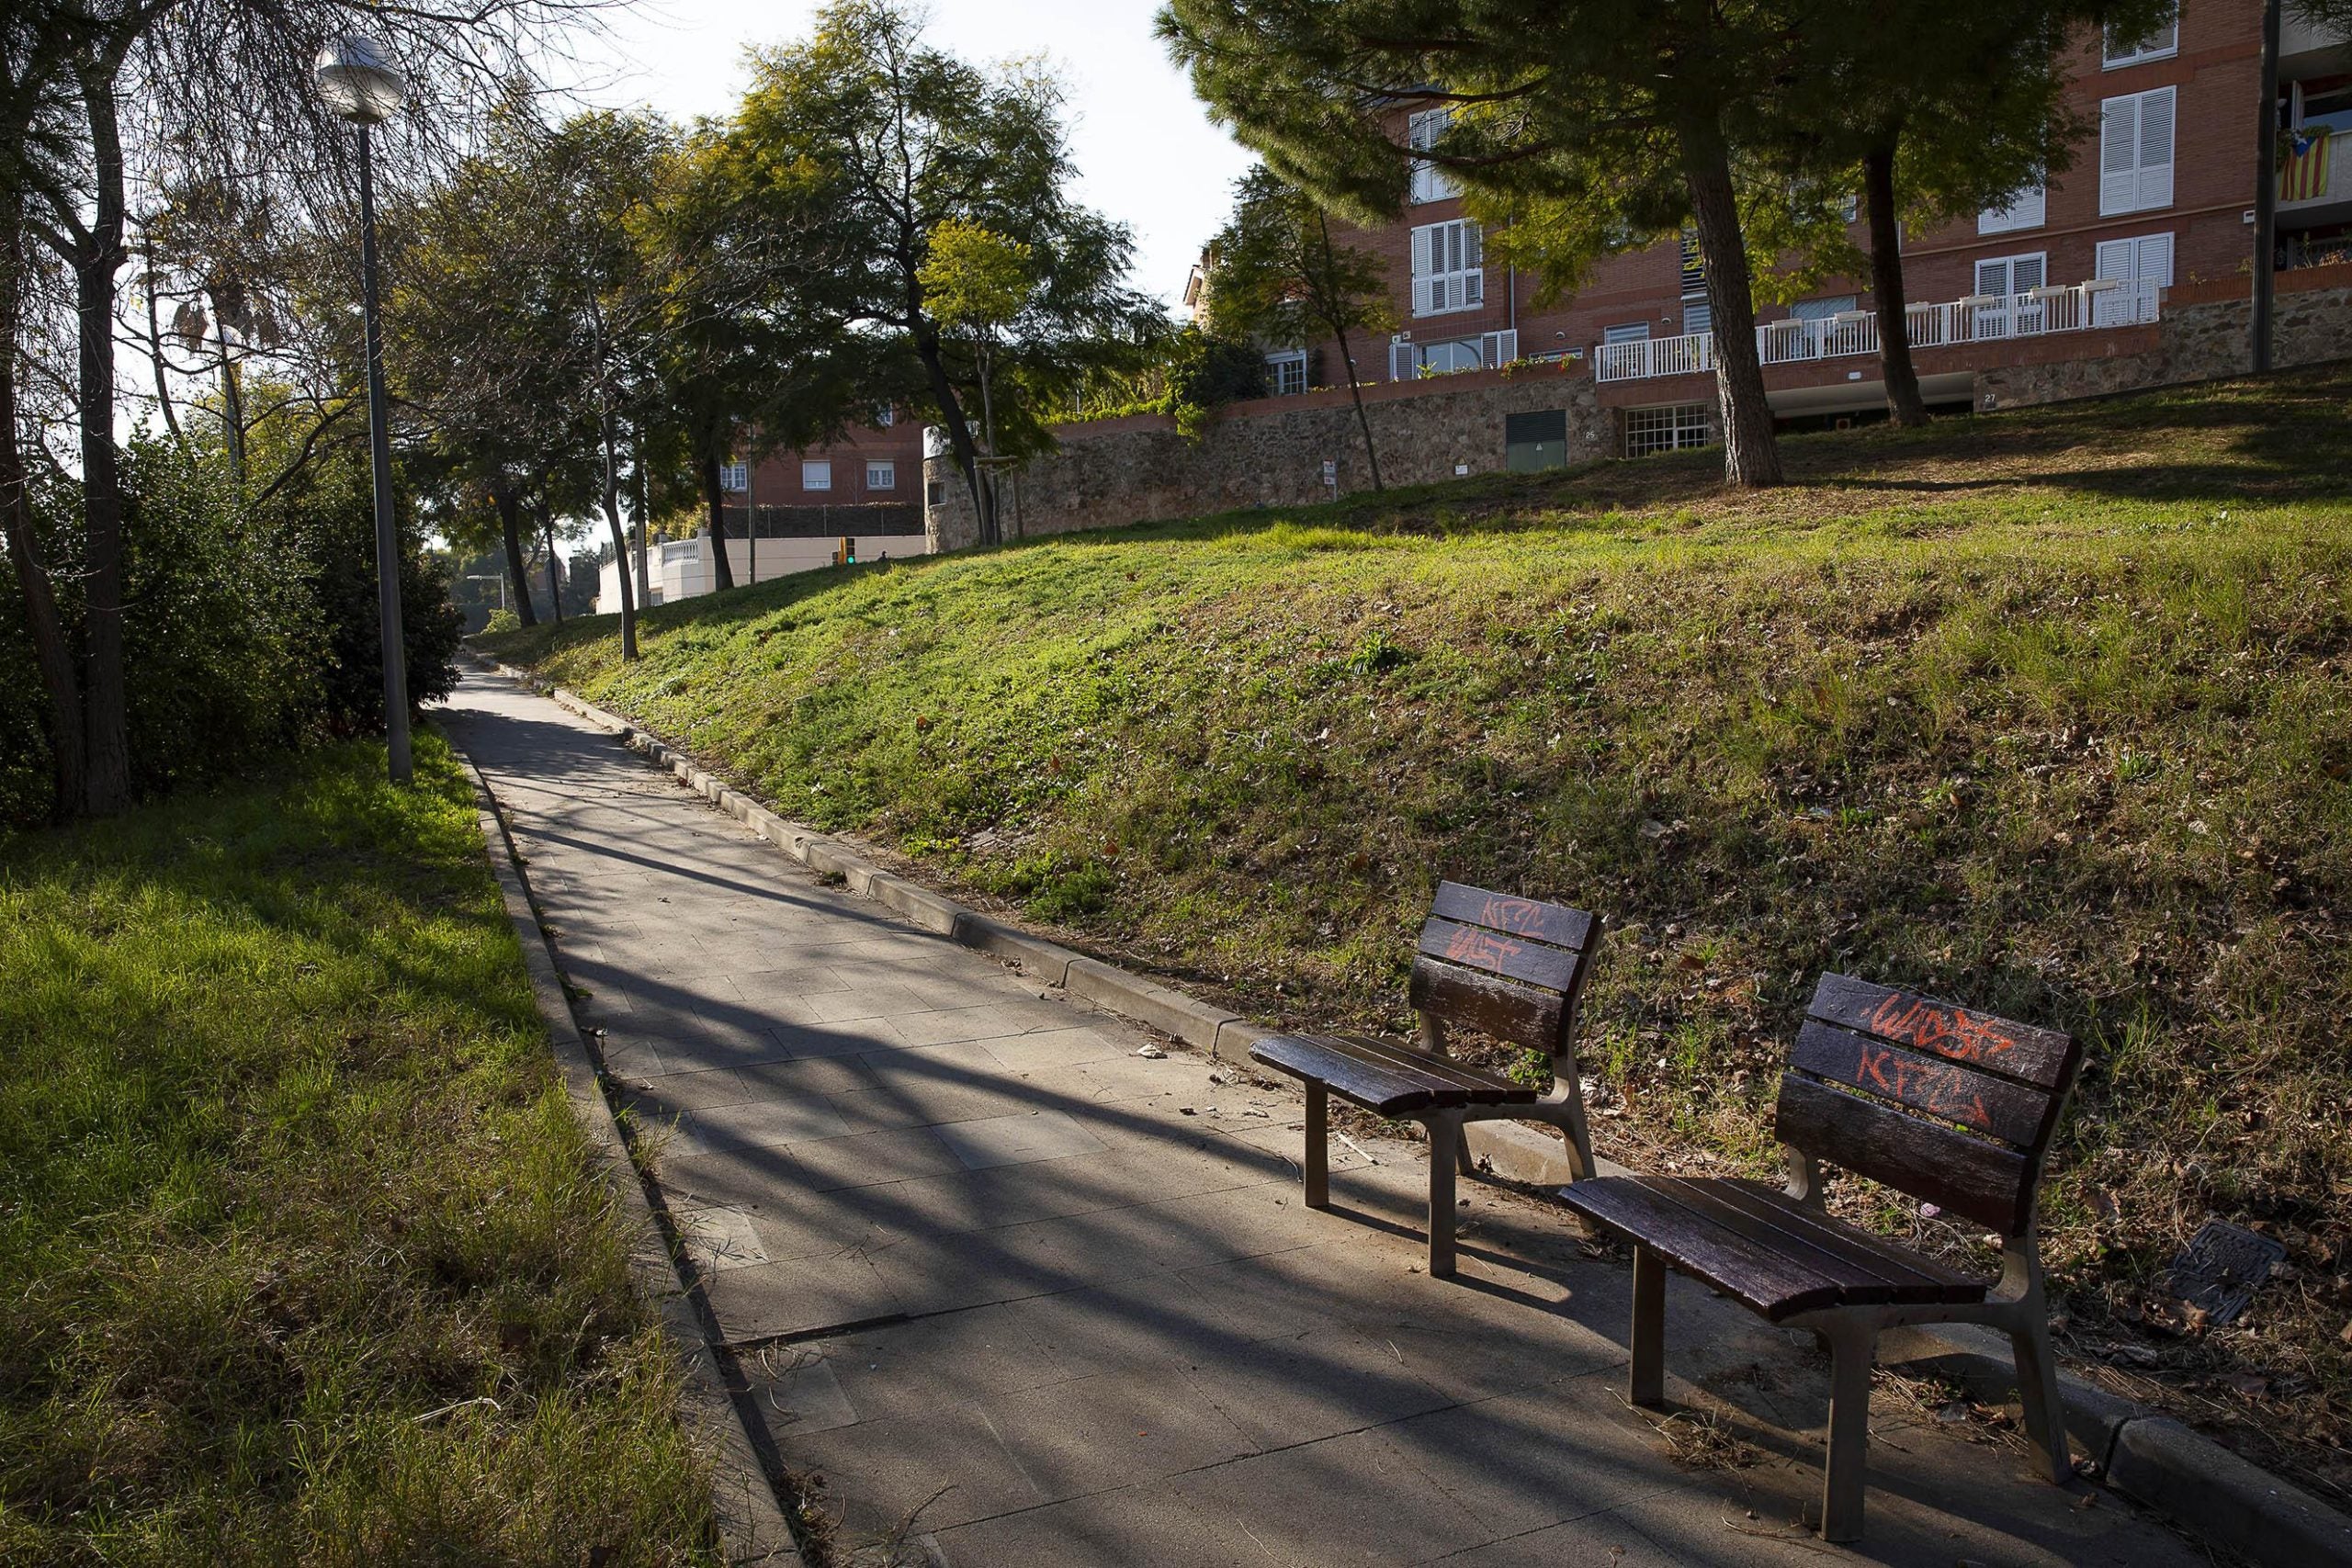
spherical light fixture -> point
(358, 82)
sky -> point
(1145, 151)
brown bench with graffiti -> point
(1510, 968)
(1948, 1105)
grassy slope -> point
(2052, 712)
(289, 1193)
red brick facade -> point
(2215, 76)
(784, 479)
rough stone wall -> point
(2197, 340)
(1268, 452)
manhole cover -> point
(2222, 1268)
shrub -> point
(245, 629)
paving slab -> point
(1007, 1288)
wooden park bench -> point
(1512, 969)
(1948, 1105)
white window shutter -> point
(2028, 273)
(1421, 267)
(1400, 360)
(1991, 277)
(2152, 261)
(2156, 148)
(2119, 154)
(1473, 245)
(2112, 260)
(1474, 288)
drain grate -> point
(2222, 1268)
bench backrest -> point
(1947, 1104)
(1509, 967)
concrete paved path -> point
(1019, 1295)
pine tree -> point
(1576, 126)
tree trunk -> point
(106, 733)
(156, 354)
(1347, 356)
(510, 524)
(555, 563)
(715, 502)
(959, 429)
(644, 520)
(1902, 402)
(50, 652)
(233, 411)
(1751, 456)
(620, 543)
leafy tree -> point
(862, 143)
(1931, 113)
(1577, 127)
(978, 282)
(1276, 275)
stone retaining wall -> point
(2203, 335)
(1270, 452)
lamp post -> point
(361, 85)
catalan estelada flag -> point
(2304, 174)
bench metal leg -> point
(2045, 1408)
(1317, 1161)
(1446, 1137)
(1649, 1328)
(1852, 1347)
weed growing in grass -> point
(302, 1256)
(2002, 709)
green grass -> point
(2049, 711)
(302, 1256)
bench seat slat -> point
(1767, 1281)
(1386, 1079)
(2008, 1110)
(1873, 1270)
(1783, 1213)
(2040, 1056)
(1506, 1010)
(1552, 923)
(1966, 1175)
(1476, 947)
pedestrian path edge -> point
(2138, 1450)
(752, 1524)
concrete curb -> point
(752, 1524)
(2142, 1452)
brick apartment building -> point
(2162, 194)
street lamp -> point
(359, 84)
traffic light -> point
(849, 551)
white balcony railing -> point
(2038, 312)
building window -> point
(1287, 372)
(1823, 309)
(885, 416)
(1430, 183)
(2135, 151)
(1629, 331)
(2025, 210)
(1445, 358)
(2140, 268)
(735, 478)
(817, 473)
(2161, 44)
(1668, 429)
(2006, 285)
(881, 473)
(1697, 313)
(1447, 273)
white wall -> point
(682, 567)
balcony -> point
(1980, 318)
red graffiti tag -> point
(1931, 1086)
(1952, 1033)
(1521, 915)
(1481, 949)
